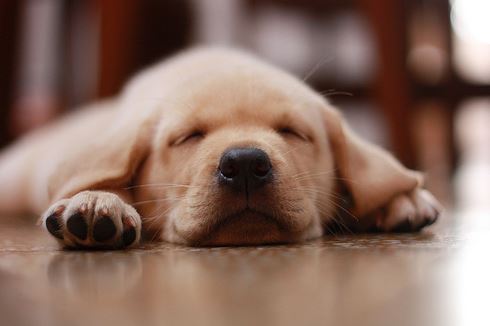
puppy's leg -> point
(93, 219)
(409, 212)
(14, 176)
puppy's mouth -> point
(247, 227)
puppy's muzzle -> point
(244, 169)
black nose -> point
(245, 169)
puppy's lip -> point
(243, 227)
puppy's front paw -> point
(409, 212)
(93, 219)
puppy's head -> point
(240, 161)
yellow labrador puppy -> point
(212, 147)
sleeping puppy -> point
(212, 147)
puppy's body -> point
(212, 147)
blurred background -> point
(410, 75)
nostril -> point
(228, 167)
(261, 167)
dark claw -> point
(430, 221)
(129, 236)
(77, 226)
(54, 226)
(104, 229)
(433, 219)
(404, 226)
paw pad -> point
(104, 229)
(77, 226)
(54, 226)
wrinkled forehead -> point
(244, 101)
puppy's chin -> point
(248, 228)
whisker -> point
(152, 220)
(307, 177)
(317, 66)
(331, 92)
(292, 149)
(162, 185)
(326, 227)
(343, 209)
(333, 170)
(337, 219)
(158, 200)
(329, 196)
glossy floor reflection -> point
(438, 277)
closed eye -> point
(188, 138)
(290, 132)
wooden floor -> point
(438, 277)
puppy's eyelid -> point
(293, 132)
(195, 135)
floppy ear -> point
(371, 175)
(115, 142)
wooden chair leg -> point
(392, 89)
